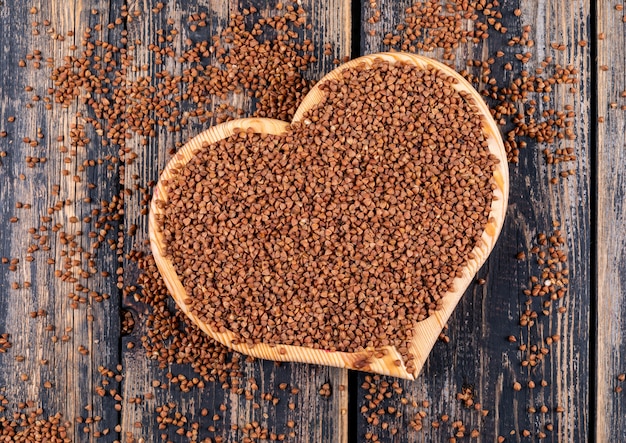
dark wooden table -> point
(60, 337)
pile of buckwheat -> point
(345, 231)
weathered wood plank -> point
(315, 418)
(478, 362)
(611, 141)
(55, 187)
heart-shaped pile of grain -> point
(347, 237)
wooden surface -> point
(318, 418)
(478, 357)
(580, 368)
(92, 325)
(610, 182)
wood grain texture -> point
(611, 213)
(316, 418)
(478, 361)
(92, 325)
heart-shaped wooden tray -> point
(426, 331)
